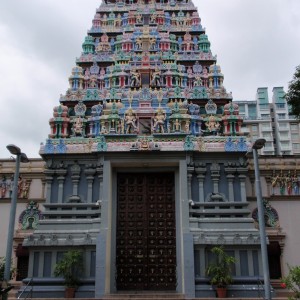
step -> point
(143, 295)
(157, 298)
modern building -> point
(272, 121)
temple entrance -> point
(146, 232)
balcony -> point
(266, 129)
(268, 138)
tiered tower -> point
(145, 165)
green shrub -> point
(292, 282)
(70, 268)
(220, 270)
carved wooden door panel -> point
(146, 237)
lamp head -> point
(258, 144)
(24, 158)
(13, 149)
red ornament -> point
(283, 285)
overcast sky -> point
(257, 43)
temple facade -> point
(145, 162)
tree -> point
(293, 94)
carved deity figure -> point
(121, 127)
(118, 21)
(139, 18)
(282, 184)
(23, 188)
(153, 18)
(212, 125)
(159, 121)
(152, 43)
(93, 82)
(198, 81)
(274, 181)
(130, 121)
(134, 78)
(177, 125)
(138, 43)
(3, 187)
(78, 127)
(295, 182)
(187, 127)
(155, 78)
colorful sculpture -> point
(128, 55)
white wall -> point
(4, 221)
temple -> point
(145, 161)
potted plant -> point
(292, 282)
(220, 270)
(70, 267)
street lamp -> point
(21, 157)
(258, 144)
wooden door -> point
(146, 237)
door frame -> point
(105, 282)
(148, 175)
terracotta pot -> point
(70, 292)
(221, 292)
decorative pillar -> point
(252, 180)
(49, 179)
(89, 173)
(215, 175)
(61, 173)
(201, 177)
(15, 260)
(75, 171)
(100, 176)
(230, 179)
(43, 188)
(242, 178)
(189, 179)
(269, 185)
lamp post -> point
(20, 157)
(258, 144)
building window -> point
(296, 146)
(265, 117)
(242, 108)
(264, 106)
(294, 127)
(269, 145)
(267, 135)
(254, 128)
(280, 105)
(295, 136)
(252, 111)
(266, 126)
(281, 116)
(282, 125)
(285, 145)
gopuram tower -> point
(145, 161)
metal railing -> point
(260, 289)
(29, 292)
